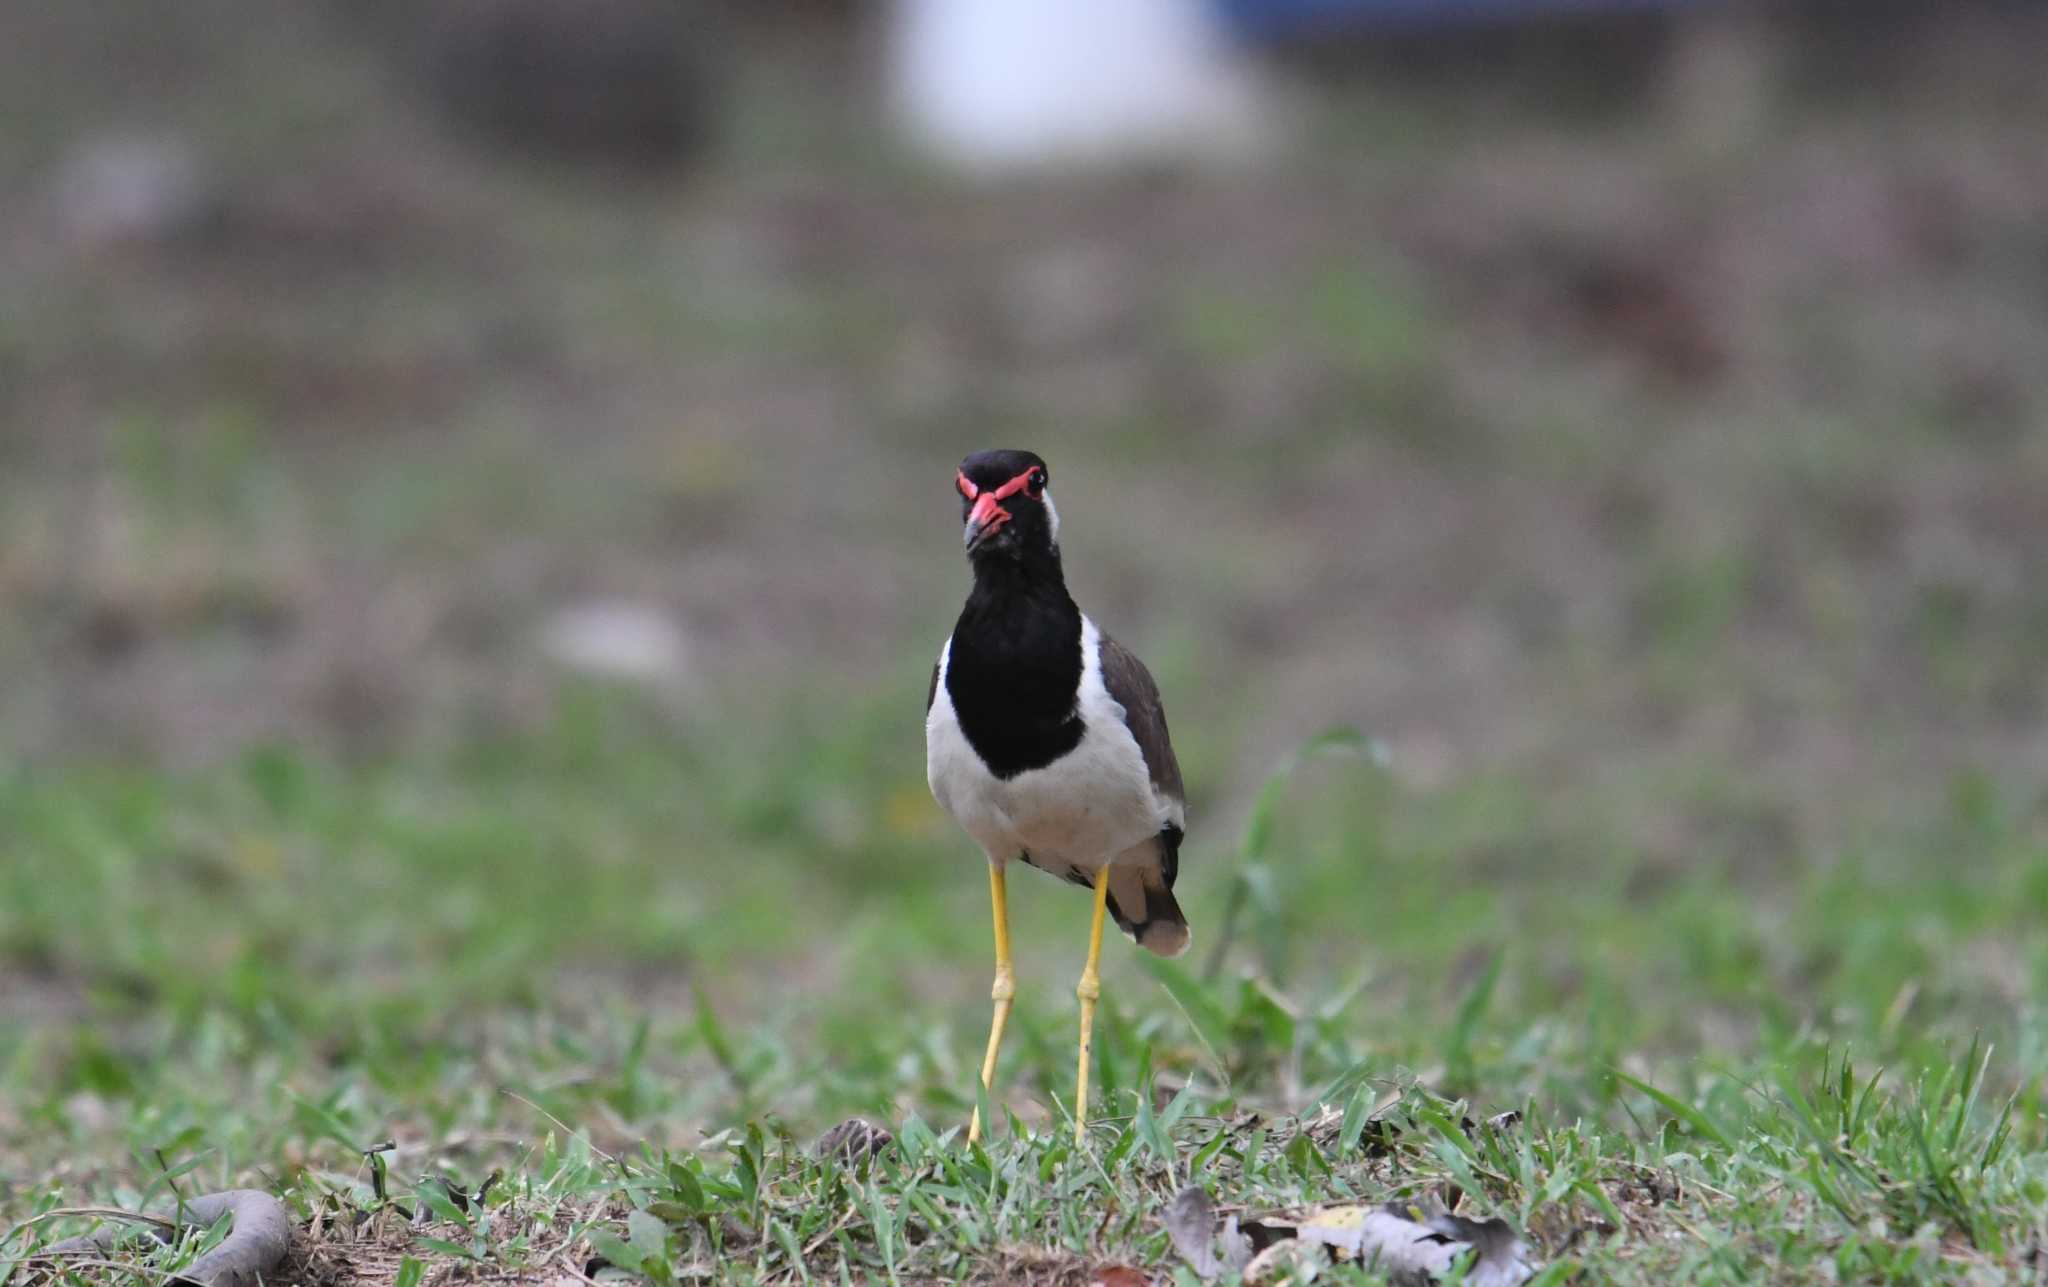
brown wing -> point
(1131, 685)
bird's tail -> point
(1145, 909)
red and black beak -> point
(984, 519)
(985, 512)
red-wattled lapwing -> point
(1046, 741)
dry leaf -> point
(1191, 1223)
(853, 1140)
(1418, 1241)
(1412, 1243)
(1282, 1262)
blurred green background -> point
(460, 599)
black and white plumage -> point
(1046, 739)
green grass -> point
(334, 981)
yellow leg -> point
(1005, 987)
(1088, 989)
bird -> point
(1046, 741)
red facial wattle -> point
(986, 516)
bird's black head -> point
(1006, 508)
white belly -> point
(1079, 811)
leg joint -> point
(1005, 986)
(1090, 986)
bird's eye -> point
(1034, 487)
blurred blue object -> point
(1274, 19)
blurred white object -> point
(127, 188)
(618, 639)
(1000, 83)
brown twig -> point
(80, 1262)
(105, 1213)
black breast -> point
(1014, 674)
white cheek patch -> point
(1052, 516)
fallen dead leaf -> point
(1412, 1242)
(853, 1140)
(1191, 1224)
